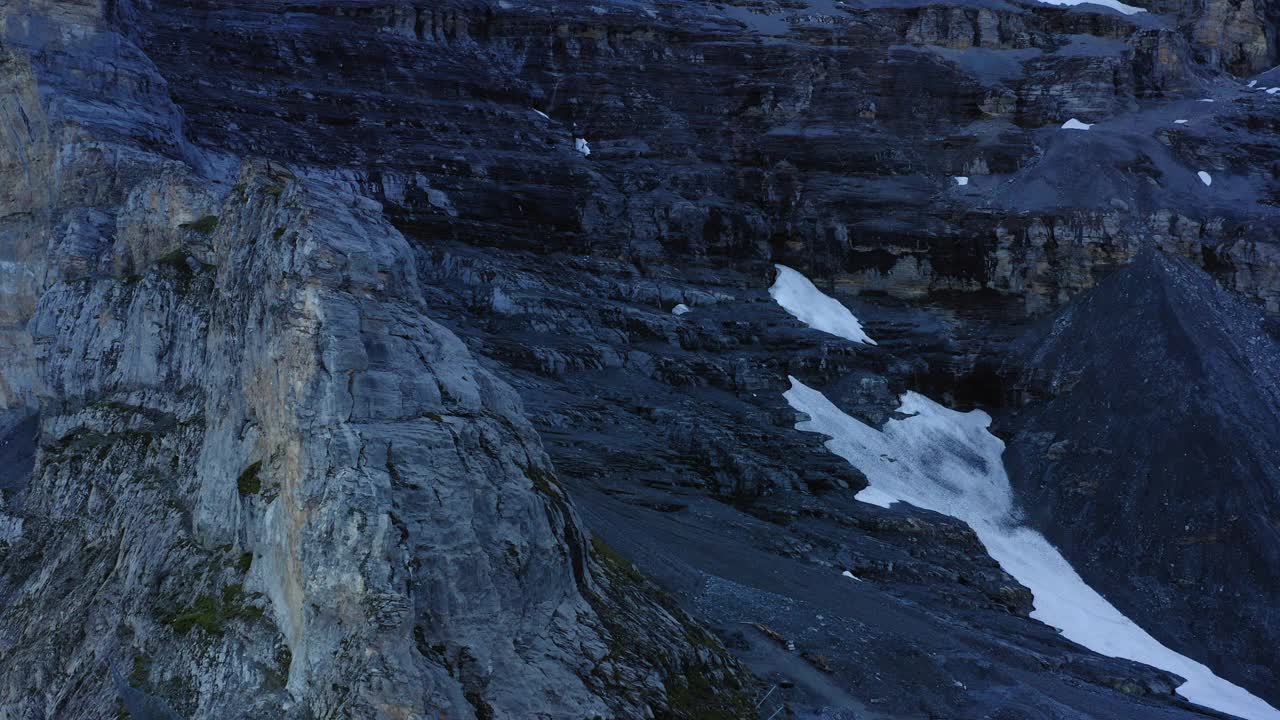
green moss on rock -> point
(206, 224)
(249, 483)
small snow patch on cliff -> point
(961, 180)
(1074, 124)
(580, 144)
(814, 308)
(1113, 4)
(680, 309)
(1205, 177)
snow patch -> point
(1179, 122)
(1273, 91)
(814, 308)
(1113, 4)
(1074, 124)
(851, 576)
(1205, 177)
(1252, 83)
(541, 114)
(581, 145)
(680, 309)
(946, 461)
(1205, 100)
(961, 180)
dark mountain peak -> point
(1159, 316)
(1156, 427)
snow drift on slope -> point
(812, 307)
(1113, 4)
(946, 461)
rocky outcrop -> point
(265, 480)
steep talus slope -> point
(1154, 423)
(266, 483)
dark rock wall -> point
(1148, 454)
(273, 270)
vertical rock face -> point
(1239, 37)
(266, 483)
(825, 136)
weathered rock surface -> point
(266, 482)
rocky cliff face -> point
(333, 330)
(266, 483)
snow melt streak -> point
(812, 307)
(946, 461)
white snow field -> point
(812, 307)
(962, 180)
(946, 461)
(680, 309)
(582, 146)
(1113, 4)
(1205, 177)
(1074, 124)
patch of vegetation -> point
(275, 190)
(211, 614)
(184, 265)
(206, 224)
(697, 698)
(245, 562)
(176, 260)
(277, 233)
(204, 614)
(249, 482)
(141, 673)
(545, 482)
(276, 678)
(614, 562)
